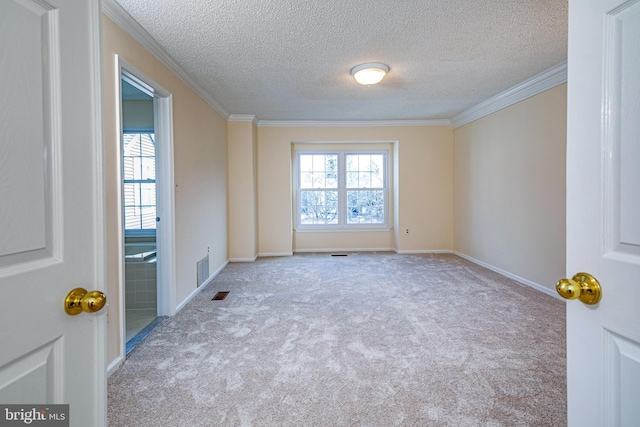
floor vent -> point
(339, 254)
(220, 296)
(202, 270)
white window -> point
(139, 170)
(342, 189)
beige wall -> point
(510, 188)
(200, 162)
(243, 232)
(423, 189)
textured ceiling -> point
(290, 59)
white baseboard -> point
(201, 287)
(327, 250)
(510, 275)
(418, 252)
(266, 254)
(243, 259)
(113, 366)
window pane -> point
(332, 180)
(148, 166)
(147, 194)
(137, 167)
(352, 163)
(306, 180)
(318, 207)
(318, 180)
(127, 167)
(132, 218)
(377, 171)
(131, 144)
(306, 164)
(352, 179)
(364, 179)
(318, 171)
(147, 145)
(131, 194)
(365, 170)
(318, 162)
(377, 181)
(331, 163)
(148, 217)
(365, 207)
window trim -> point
(342, 225)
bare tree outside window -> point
(319, 188)
(365, 183)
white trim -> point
(539, 83)
(519, 279)
(421, 252)
(343, 142)
(166, 228)
(343, 250)
(355, 123)
(274, 254)
(99, 203)
(113, 366)
(242, 118)
(201, 287)
(357, 228)
(243, 259)
(122, 19)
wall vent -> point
(202, 270)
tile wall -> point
(140, 284)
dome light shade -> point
(369, 74)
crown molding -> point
(355, 123)
(243, 118)
(539, 83)
(122, 19)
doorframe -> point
(165, 183)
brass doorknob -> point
(582, 286)
(79, 300)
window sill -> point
(341, 229)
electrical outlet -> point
(207, 249)
(406, 231)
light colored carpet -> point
(362, 340)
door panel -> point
(603, 211)
(33, 377)
(51, 230)
(29, 137)
(622, 376)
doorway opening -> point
(146, 206)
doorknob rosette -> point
(582, 286)
(79, 300)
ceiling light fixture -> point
(369, 74)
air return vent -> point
(220, 296)
(203, 270)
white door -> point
(51, 229)
(603, 211)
